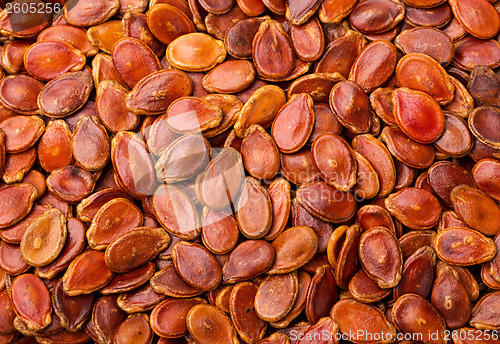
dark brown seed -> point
(483, 125)
(106, 318)
(484, 86)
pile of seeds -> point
(250, 171)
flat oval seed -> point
(167, 281)
(485, 173)
(456, 139)
(167, 22)
(443, 176)
(429, 41)
(229, 77)
(271, 305)
(483, 123)
(75, 241)
(333, 205)
(418, 115)
(136, 248)
(308, 40)
(294, 248)
(243, 314)
(176, 212)
(220, 233)
(381, 257)
(462, 246)
(485, 315)
(413, 314)
(196, 265)
(44, 238)
(154, 93)
(168, 318)
(272, 50)
(134, 60)
(31, 301)
(87, 273)
(135, 329)
(140, 300)
(105, 35)
(249, 259)
(256, 145)
(114, 219)
(11, 89)
(259, 109)
(7, 321)
(75, 36)
(365, 290)
(300, 12)
(471, 52)
(332, 11)
(476, 209)
(131, 280)
(325, 122)
(350, 104)
(379, 157)
(54, 148)
(451, 299)
(91, 155)
(335, 160)
(81, 13)
(71, 183)
(216, 188)
(195, 52)
(188, 115)
(409, 152)
(182, 159)
(375, 16)
(254, 211)
(423, 260)
(353, 316)
(239, 37)
(209, 325)
(72, 311)
(15, 203)
(133, 164)
(479, 17)
(483, 86)
(299, 111)
(299, 168)
(422, 73)
(47, 60)
(21, 132)
(321, 295)
(415, 208)
(65, 94)
(317, 85)
(367, 179)
(374, 66)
